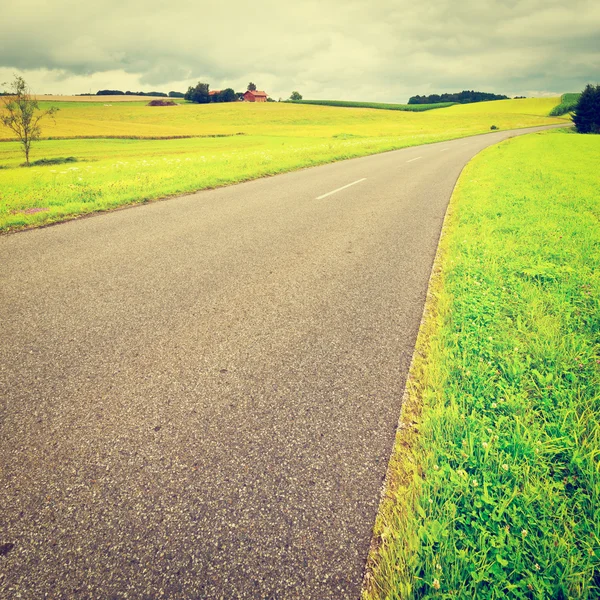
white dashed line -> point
(340, 189)
(412, 159)
(444, 150)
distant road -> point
(199, 396)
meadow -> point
(138, 153)
(493, 490)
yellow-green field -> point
(136, 119)
(265, 139)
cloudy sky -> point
(385, 50)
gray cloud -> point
(349, 49)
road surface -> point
(199, 396)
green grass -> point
(126, 164)
(378, 105)
(494, 486)
(568, 102)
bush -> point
(493, 128)
(43, 162)
(587, 111)
(161, 103)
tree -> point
(228, 95)
(251, 87)
(22, 114)
(296, 96)
(198, 94)
(587, 110)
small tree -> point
(296, 96)
(251, 87)
(22, 114)
(587, 110)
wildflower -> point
(494, 405)
(436, 584)
(537, 567)
(505, 467)
(436, 468)
(438, 567)
(524, 532)
(485, 445)
(430, 501)
(475, 484)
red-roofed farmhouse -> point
(255, 96)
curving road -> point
(199, 396)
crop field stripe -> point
(568, 102)
(376, 105)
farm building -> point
(214, 92)
(255, 96)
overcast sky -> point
(385, 50)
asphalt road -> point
(199, 396)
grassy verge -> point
(378, 105)
(494, 487)
(568, 102)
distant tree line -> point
(199, 93)
(464, 97)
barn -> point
(255, 96)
